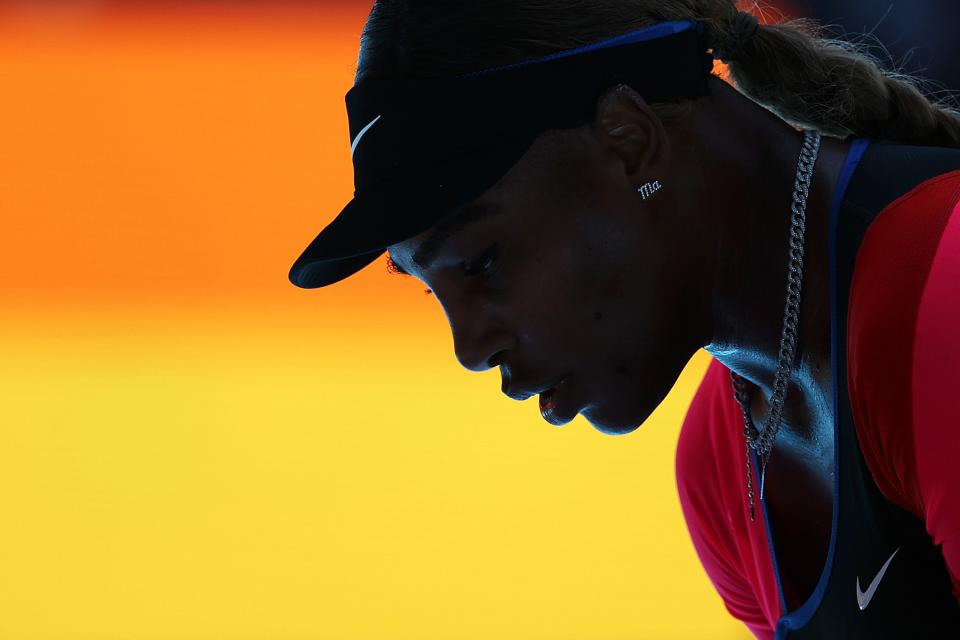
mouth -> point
(550, 404)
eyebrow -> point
(462, 218)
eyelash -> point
(471, 269)
(476, 266)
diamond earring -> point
(649, 189)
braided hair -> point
(791, 68)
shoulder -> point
(710, 457)
(889, 290)
(705, 433)
(710, 466)
(904, 357)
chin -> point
(611, 423)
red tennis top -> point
(903, 367)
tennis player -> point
(591, 205)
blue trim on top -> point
(802, 615)
(659, 30)
(771, 543)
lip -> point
(521, 392)
(553, 404)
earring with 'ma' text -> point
(649, 189)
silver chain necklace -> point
(762, 442)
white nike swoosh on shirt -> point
(863, 598)
(353, 145)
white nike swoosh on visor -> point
(863, 599)
(353, 146)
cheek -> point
(607, 287)
(579, 287)
(615, 296)
(606, 279)
(574, 300)
(546, 293)
(608, 257)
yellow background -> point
(191, 447)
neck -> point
(755, 179)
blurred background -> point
(919, 36)
(191, 447)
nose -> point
(480, 341)
(479, 353)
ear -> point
(625, 124)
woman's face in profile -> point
(571, 275)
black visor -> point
(424, 147)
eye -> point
(483, 263)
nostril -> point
(496, 359)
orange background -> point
(193, 448)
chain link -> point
(762, 441)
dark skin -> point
(590, 279)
